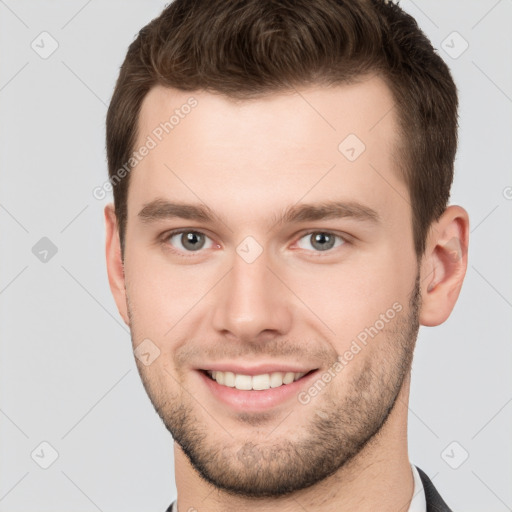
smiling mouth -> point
(260, 382)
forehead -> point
(273, 148)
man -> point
(281, 172)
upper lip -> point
(257, 369)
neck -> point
(379, 477)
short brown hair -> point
(247, 48)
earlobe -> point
(444, 265)
(115, 268)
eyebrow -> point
(326, 210)
(161, 209)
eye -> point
(320, 241)
(188, 240)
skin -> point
(248, 161)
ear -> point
(444, 265)
(115, 267)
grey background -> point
(67, 373)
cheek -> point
(160, 294)
(351, 298)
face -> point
(269, 261)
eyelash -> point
(187, 254)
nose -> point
(251, 303)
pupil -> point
(192, 241)
(324, 240)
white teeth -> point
(257, 382)
(276, 379)
(229, 379)
(261, 381)
(241, 381)
(288, 378)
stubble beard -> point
(338, 430)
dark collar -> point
(434, 501)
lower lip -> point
(255, 400)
